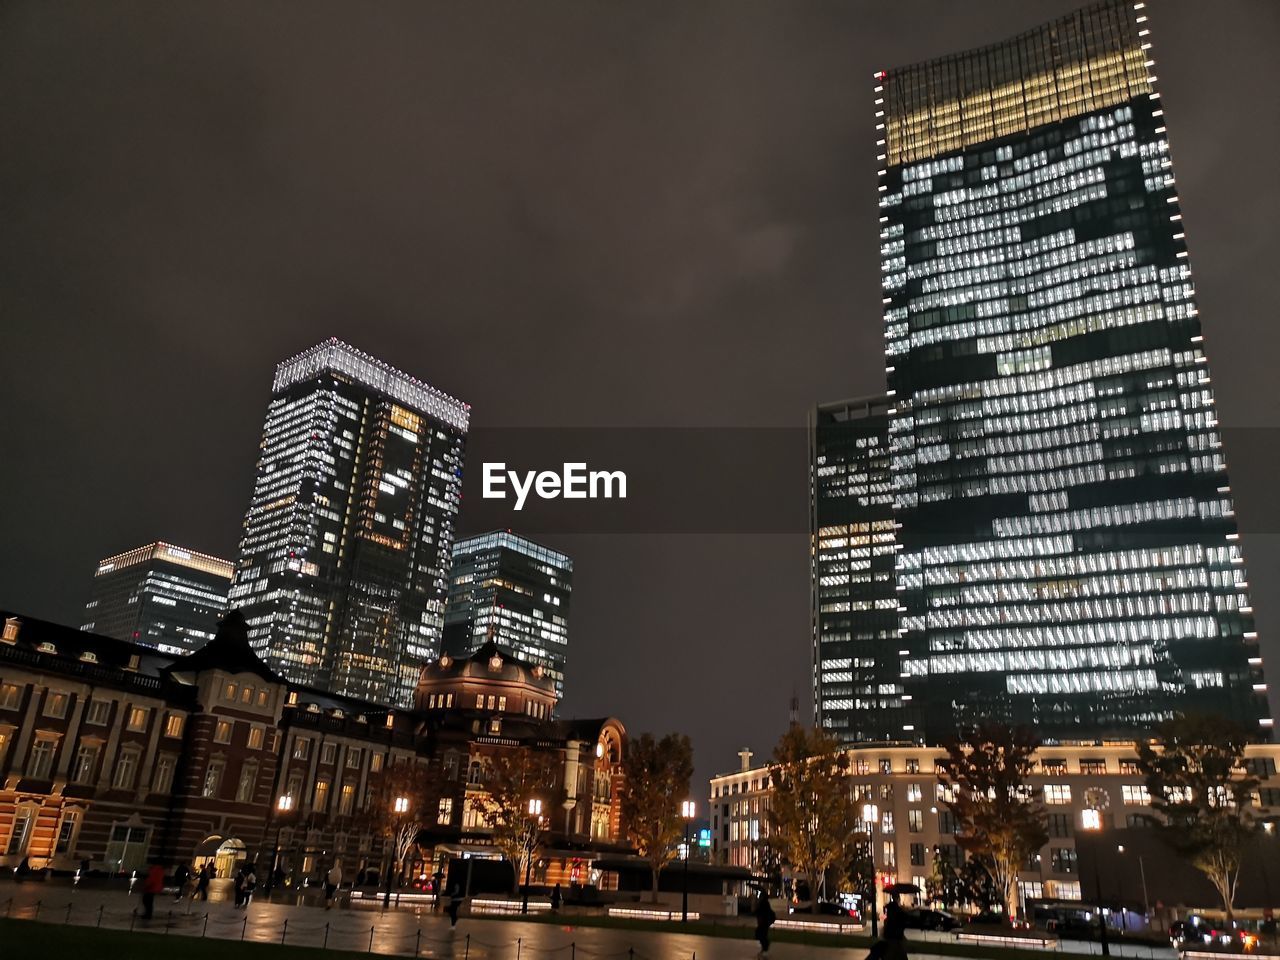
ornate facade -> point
(113, 754)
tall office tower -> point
(514, 592)
(857, 673)
(344, 560)
(1069, 556)
(160, 596)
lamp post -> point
(284, 804)
(870, 814)
(688, 810)
(400, 806)
(1142, 872)
(531, 830)
(1091, 819)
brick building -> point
(112, 753)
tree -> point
(657, 774)
(814, 819)
(1202, 796)
(413, 784)
(513, 779)
(1000, 821)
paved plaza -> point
(398, 932)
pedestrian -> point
(250, 883)
(437, 887)
(332, 880)
(277, 877)
(180, 878)
(556, 899)
(239, 887)
(892, 944)
(202, 884)
(455, 904)
(152, 884)
(765, 918)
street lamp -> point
(870, 814)
(1142, 872)
(535, 822)
(1091, 819)
(688, 810)
(400, 806)
(284, 804)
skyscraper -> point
(857, 684)
(344, 560)
(1069, 550)
(161, 596)
(515, 592)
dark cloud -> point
(589, 214)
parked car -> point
(922, 919)
(1073, 927)
(825, 908)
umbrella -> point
(896, 888)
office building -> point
(509, 590)
(1069, 549)
(857, 684)
(160, 596)
(344, 559)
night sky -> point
(644, 214)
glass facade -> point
(161, 596)
(857, 680)
(344, 559)
(514, 592)
(1069, 555)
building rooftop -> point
(167, 553)
(334, 356)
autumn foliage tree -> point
(657, 774)
(513, 779)
(1202, 795)
(414, 784)
(1000, 820)
(814, 819)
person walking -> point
(332, 880)
(455, 904)
(239, 887)
(202, 884)
(892, 944)
(250, 883)
(556, 899)
(180, 878)
(152, 884)
(765, 918)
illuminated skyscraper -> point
(514, 592)
(857, 687)
(161, 596)
(344, 561)
(1069, 551)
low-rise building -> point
(1088, 790)
(112, 754)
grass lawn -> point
(26, 938)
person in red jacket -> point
(152, 884)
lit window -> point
(138, 717)
(10, 696)
(1057, 793)
(445, 813)
(222, 731)
(257, 736)
(173, 725)
(212, 779)
(229, 693)
(55, 704)
(301, 748)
